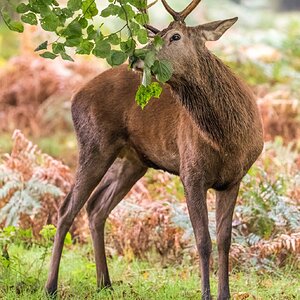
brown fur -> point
(204, 128)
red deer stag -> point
(205, 128)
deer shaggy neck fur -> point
(219, 103)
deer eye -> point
(175, 37)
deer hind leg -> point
(116, 183)
(225, 202)
(93, 164)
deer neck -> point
(217, 101)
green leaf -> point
(117, 58)
(58, 48)
(142, 36)
(63, 14)
(58, 11)
(68, 239)
(110, 10)
(156, 89)
(74, 5)
(73, 41)
(65, 56)
(42, 46)
(89, 9)
(138, 3)
(29, 18)
(83, 22)
(48, 54)
(113, 39)
(141, 53)
(126, 12)
(12, 25)
(102, 49)
(85, 47)
(145, 93)
(41, 7)
(67, 12)
(150, 58)
(48, 232)
(163, 70)
(92, 33)
(128, 46)
(50, 22)
(74, 29)
(22, 8)
(134, 27)
(142, 18)
(47, 2)
(16, 26)
(158, 42)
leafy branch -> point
(76, 28)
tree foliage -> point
(76, 26)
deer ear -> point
(214, 30)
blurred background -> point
(263, 47)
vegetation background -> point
(149, 238)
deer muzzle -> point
(136, 64)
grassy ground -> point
(26, 274)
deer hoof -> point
(51, 292)
(106, 286)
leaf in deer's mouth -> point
(145, 93)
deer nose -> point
(136, 63)
(132, 60)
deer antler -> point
(171, 11)
(180, 16)
(147, 26)
(189, 9)
(151, 28)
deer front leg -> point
(225, 202)
(196, 203)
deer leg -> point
(92, 167)
(116, 183)
(225, 202)
(197, 207)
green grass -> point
(25, 277)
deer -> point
(205, 128)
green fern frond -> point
(7, 174)
(8, 187)
(20, 202)
(30, 204)
(253, 239)
(40, 188)
(9, 212)
(266, 210)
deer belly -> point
(160, 157)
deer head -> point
(184, 45)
